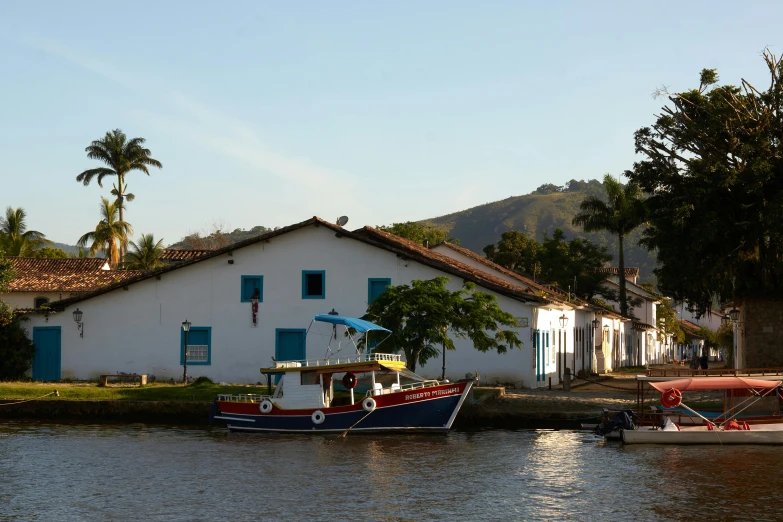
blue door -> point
(46, 362)
(290, 345)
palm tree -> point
(110, 235)
(15, 239)
(121, 156)
(622, 213)
(145, 255)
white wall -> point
(138, 329)
(27, 299)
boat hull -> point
(758, 434)
(428, 409)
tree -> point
(145, 255)
(16, 349)
(574, 265)
(714, 166)
(15, 239)
(110, 235)
(121, 156)
(571, 264)
(50, 253)
(515, 251)
(418, 232)
(623, 211)
(422, 317)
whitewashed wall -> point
(27, 299)
(138, 329)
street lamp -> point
(186, 329)
(563, 321)
(734, 316)
(77, 316)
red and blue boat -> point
(361, 392)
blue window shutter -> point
(375, 287)
(249, 285)
(198, 335)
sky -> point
(268, 113)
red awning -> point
(715, 383)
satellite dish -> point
(342, 220)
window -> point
(199, 345)
(313, 284)
(251, 285)
(375, 287)
(40, 301)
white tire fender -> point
(265, 406)
(368, 404)
(318, 417)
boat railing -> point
(404, 387)
(346, 359)
(248, 397)
(717, 372)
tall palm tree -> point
(121, 156)
(15, 239)
(110, 235)
(145, 255)
(623, 211)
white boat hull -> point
(758, 434)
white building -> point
(299, 271)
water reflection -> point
(100, 472)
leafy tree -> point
(110, 235)
(418, 232)
(555, 260)
(515, 251)
(623, 211)
(15, 239)
(424, 315)
(548, 188)
(16, 350)
(51, 253)
(121, 156)
(714, 166)
(145, 255)
(574, 264)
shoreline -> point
(475, 416)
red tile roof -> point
(614, 270)
(173, 254)
(690, 328)
(63, 275)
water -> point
(53, 472)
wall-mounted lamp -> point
(734, 315)
(563, 321)
(596, 323)
(77, 316)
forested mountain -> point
(542, 211)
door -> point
(290, 345)
(46, 361)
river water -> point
(53, 472)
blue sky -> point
(269, 113)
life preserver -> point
(671, 398)
(318, 417)
(265, 406)
(349, 381)
(368, 404)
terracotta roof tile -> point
(173, 254)
(63, 275)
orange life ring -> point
(349, 381)
(671, 398)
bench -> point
(141, 376)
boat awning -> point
(715, 383)
(360, 325)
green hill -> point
(544, 210)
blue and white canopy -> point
(359, 325)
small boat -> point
(724, 429)
(360, 392)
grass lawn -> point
(195, 392)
